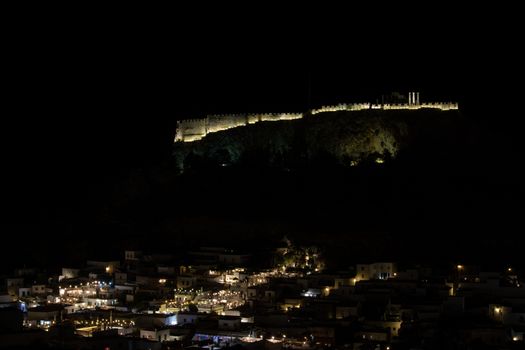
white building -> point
(13, 284)
(24, 292)
(230, 323)
(160, 335)
(132, 255)
(380, 270)
(38, 289)
(187, 318)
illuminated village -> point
(215, 297)
(281, 296)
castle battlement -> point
(189, 130)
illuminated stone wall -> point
(195, 129)
(191, 130)
(444, 106)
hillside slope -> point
(347, 138)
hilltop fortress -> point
(189, 130)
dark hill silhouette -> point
(347, 137)
(444, 182)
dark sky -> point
(117, 100)
(87, 101)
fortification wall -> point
(279, 116)
(444, 106)
(195, 129)
(341, 107)
(224, 121)
(191, 130)
(290, 116)
(253, 118)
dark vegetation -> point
(443, 194)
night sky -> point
(83, 107)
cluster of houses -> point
(218, 299)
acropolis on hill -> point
(190, 130)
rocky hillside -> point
(346, 138)
(446, 180)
